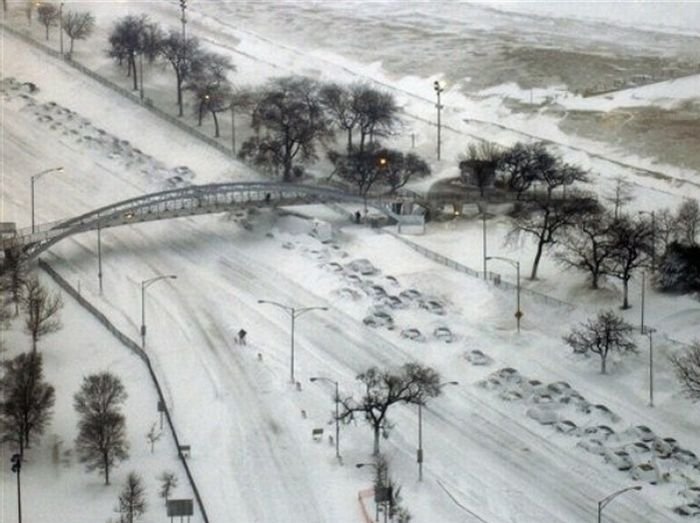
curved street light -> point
(337, 413)
(604, 502)
(144, 285)
(419, 453)
(293, 313)
(516, 264)
(36, 177)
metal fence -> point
(133, 347)
(493, 277)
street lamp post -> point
(183, 19)
(337, 413)
(144, 285)
(293, 313)
(650, 331)
(17, 467)
(141, 75)
(36, 177)
(604, 502)
(516, 264)
(439, 88)
(99, 253)
(641, 328)
(419, 453)
(653, 238)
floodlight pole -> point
(99, 253)
(641, 328)
(650, 331)
(419, 453)
(144, 285)
(604, 502)
(293, 313)
(438, 91)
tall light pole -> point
(604, 502)
(144, 285)
(293, 313)
(36, 177)
(183, 19)
(439, 88)
(141, 75)
(653, 238)
(516, 264)
(99, 253)
(419, 453)
(650, 331)
(641, 328)
(337, 413)
(17, 467)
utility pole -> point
(439, 88)
(16, 468)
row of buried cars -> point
(635, 450)
(364, 279)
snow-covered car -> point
(433, 306)
(644, 472)
(565, 426)
(379, 319)
(685, 456)
(362, 266)
(443, 334)
(619, 459)
(410, 294)
(692, 494)
(594, 446)
(393, 302)
(691, 509)
(476, 357)
(412, 334)
(542, 415)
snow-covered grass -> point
(252, 451)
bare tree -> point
(630, 239)
(605, 334)
(14, 277)
(28, 7)
(101, 441)
(413, 383)
(153, 436)
(586, 245)
(377, 113)
(378, 166)
(687, 368)
(479, 163)
(546, 217)
(168, 483)
(41, 310)
(132, 499)
(688, 221)
(210, 86)
(78, 25)
(665, 231)
(520, 166)
(182, 55)
(126, 41)
(338, 101)
(620, 196)
(290, 114)
(26, 400)
(48, 15)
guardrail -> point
(493, 277)
(133, 347)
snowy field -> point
(502, 446)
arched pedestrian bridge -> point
(191, 201)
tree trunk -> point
(625, 292)
(594, 280)
(34, 340)
(536, 263)
(201, 113)
(105, 462)
(47, 32)
(602, 363)
(375, 451)
(287, 174)
(70, 51)
(216, 124)
(179, 90)
(349, 141)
